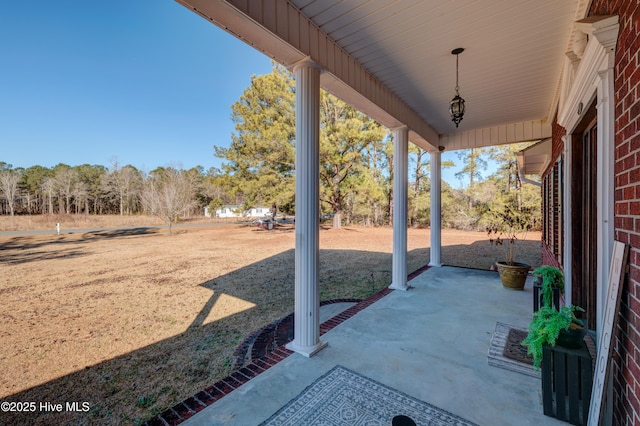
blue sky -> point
(146, 82)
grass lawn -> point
(134, 321)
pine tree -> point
(260, 162)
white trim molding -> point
(599, 55)
(566, 215)
(593, 79)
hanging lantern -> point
(456, 108)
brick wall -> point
(557, 147)
(627, 203)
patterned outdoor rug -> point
(343, 397)
(496, 357)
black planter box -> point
(567, 377)
(537, 296)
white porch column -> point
(436, 209)
(306, 339)
(400, 181)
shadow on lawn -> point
(24, 249)
(19, 250)
(134, 387)
(121, 233)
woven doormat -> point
(513, 346)
(344, 397)
(495, 355)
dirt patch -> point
(134, 322)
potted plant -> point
(550, 326)
(550, 280)
(511, 226)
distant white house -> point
(231, 210)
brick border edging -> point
(271, 335)
(203, 399)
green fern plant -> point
(552, 277)
(546, 326)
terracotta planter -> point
(513, 276)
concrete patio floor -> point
(429, 342)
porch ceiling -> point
(509, 72)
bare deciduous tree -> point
(65, 179)
(122, 183)
(80, 195)
(168, 193)
(48, 188)
(9, 180)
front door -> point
(589, 224)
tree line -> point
(258, 169)
(166, 192)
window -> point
(552, 216)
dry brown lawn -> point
(134, 321)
